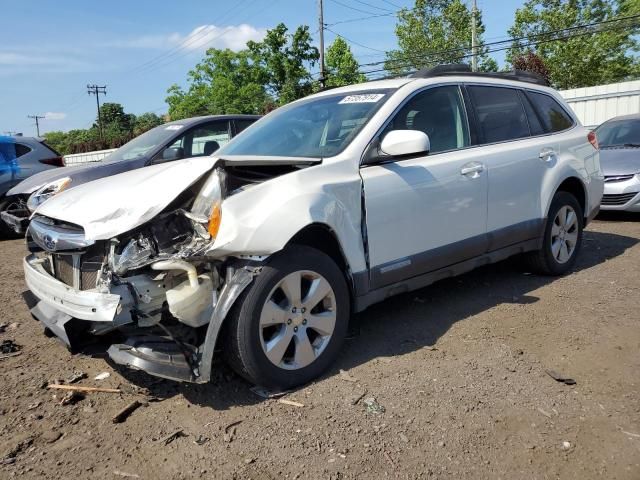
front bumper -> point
(622, 195)
(18, 220)
(84, 305)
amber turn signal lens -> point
(214, 220)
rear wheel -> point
(288, 326)
(562, 237)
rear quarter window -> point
(553, 116)
(21, 150)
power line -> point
(36, 118)
(96, 90)
(354, 42)
(510, 40)
(337, 2)
(366, 4)
(530, 44)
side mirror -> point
(169, 154)
(400, 143)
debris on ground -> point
(123, 414)
(356, 397)
(560, 377)
(268, 394)
(230, 431)
(544, 412)
(71, 397)
(76, 377)
(170, 438)
(79, 388)
(9, 346)
(344, 375)
(102, 376)
(201, 440)
(33, 406)
(125, 474)
(290, 402)
(566, 445)
(373, 406)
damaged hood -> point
(619, 160)
(113, 205)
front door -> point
(429, 212)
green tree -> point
(436, 32)
(283, 58)
(145, 122)
(342, 67)
(582, 56)
(223, 82)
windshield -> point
(316, 128)
(624, 133)
(145, 143)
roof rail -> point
(465, 70)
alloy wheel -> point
(298, 320)
(564, 234)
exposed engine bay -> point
(172, 290)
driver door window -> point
(439, 112)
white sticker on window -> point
(173, 127)
(362, 98)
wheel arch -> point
(576, 187)
(323, 238)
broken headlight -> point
(44, 193)
(207, 207)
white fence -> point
(594, 105)
(79, 158)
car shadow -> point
(618, 216)
(404, 323)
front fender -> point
(262, 219)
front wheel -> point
(289, 324)
(562, 237)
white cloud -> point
(55, 115)
(200, 38)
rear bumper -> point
(18, 220)
(84, 305)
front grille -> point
(88, 263)
(617, 178)
(617, 199)
(63, 268)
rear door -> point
(513, 158)
(427, 212)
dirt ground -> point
(458, 367)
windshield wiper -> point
(619, 145)
(632, 145)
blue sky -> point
(50, 51)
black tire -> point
(242, 346)
(543, 261)
(6, 232)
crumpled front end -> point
(160, 291)
(157, 289)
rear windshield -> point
(623, 133)
(314, 128)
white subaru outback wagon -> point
(320, 209)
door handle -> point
(472, 170)
(548, 155)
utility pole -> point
(36, 118)
(474, 37)
(321, 30)
(96, 90)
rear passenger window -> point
(554, 117)
(21, 149)
(439, 112)
(500, 113)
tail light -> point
(593, 140)
(54, 161)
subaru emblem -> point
(49, 242)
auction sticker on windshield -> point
(362, 98)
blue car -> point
(21, 157)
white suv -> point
(322, 208)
